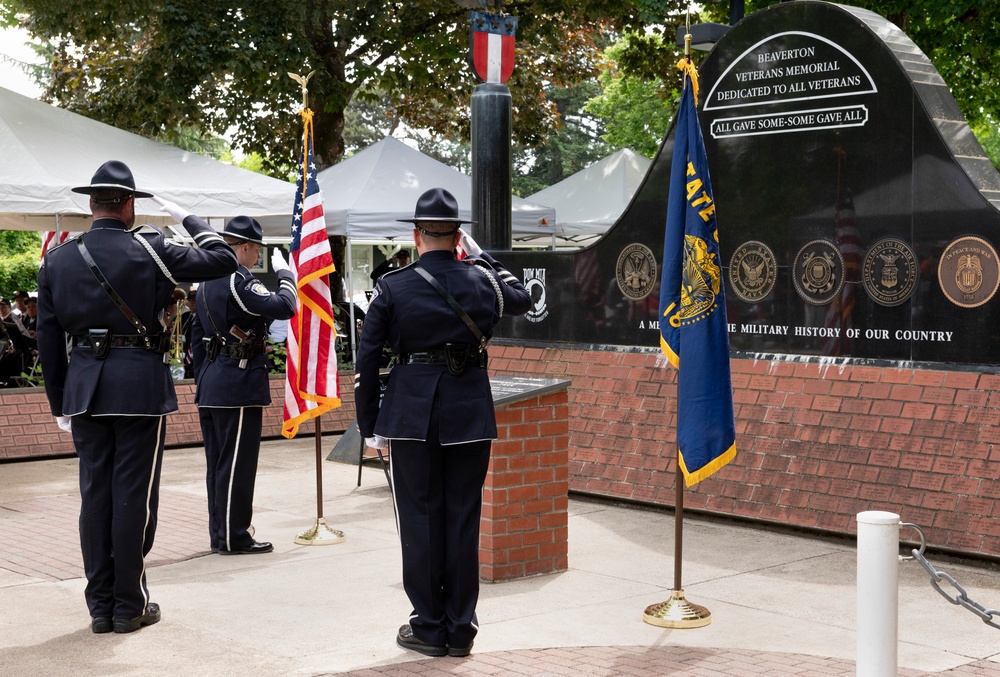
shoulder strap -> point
(202, 301)
(108, 289)
(453, 303)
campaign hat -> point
(112, 175)
(246, 229)
(436, 205)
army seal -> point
(753, 271)
(636, 271)
(968, 272)
(890, 272)
(818, 272)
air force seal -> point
(890, 272)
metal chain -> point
(960, 598)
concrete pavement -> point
(782, 604)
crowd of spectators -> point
(18, 347)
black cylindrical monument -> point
(491, 165)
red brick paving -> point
(617, 661)
(40, 539)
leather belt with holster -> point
(241, 351)
(456, 356)
(100, 341)
(238, 351)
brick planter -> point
(524, 527)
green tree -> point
(638, 99)
(149, 66)
(576, 143)
(19, 258)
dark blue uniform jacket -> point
(241, 300)
(129, 380)
(407, 312)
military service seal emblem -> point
(968, 272)
(753, 271)
(890, 272)
(818, 272)
(636, 271)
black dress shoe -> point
(100, 625)
(459, 651)
(405, 639)
(255, 548)
(151, 616)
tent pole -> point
(350, 301)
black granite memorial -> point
(858, 215)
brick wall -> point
(29, 431)
(525, 524)
(815, 444)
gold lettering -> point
(702, 200)
(675, 319)
(706, 214)
(693, 187)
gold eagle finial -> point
(304, 83)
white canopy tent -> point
(48, 150)
(365, 194)
(590, 201)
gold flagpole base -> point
(677, 612)
(320, 534)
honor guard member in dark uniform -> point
(230, 370)
(401, 259)
(437, 415)
(106, 291)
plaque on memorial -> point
(507, 389)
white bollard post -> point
(877, 622)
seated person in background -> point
(20, 302)
(14, 353)
(30, 320)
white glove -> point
(467, 247)
(171, 208)
(377, 442)
(278, 261)
(64, 423)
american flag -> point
(312, 384)
(51, 238)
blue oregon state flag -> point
(693, 329)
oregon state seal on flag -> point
(694, 333)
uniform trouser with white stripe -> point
(232, 446)
(120, 460)
(439, 496)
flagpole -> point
(677, 612)
(320, 533)
(678, 527)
